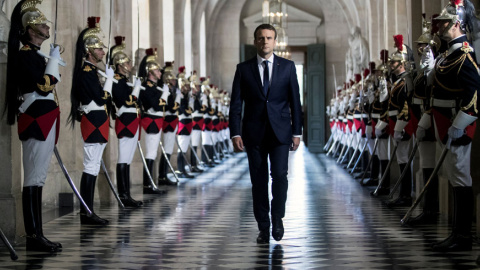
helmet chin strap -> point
(450, 25)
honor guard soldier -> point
(127, 120)
(380, 120)
(207, 140)
(170, 123)
(420, 103)
(399, 117)
(154, 100)
(31, 99)
(185, 123)
(454, 110)
(90, 105)
(200, 105)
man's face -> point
(196, 90)
(157, 73)
(265, 42)
(125, 68)
(443, 32)
(44, 30)
(396, 67)
(173, 82)
(97, 54)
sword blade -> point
(404, 172)
(139, 146)
(384, 176)
(70, 181)
(109, 181)
(168, 162)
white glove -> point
(368, 132)
(427, 60)
(398, 135)
(420, 133)
(378, 132)
(204, 100)
(191, 101)
(107, 87)
(178, 96)
(455, 133)
(136, 87)
(214, 104)
(53, 62)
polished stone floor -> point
(207, 223)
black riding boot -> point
(193, 161)
(404, 197)
(206, 157)
(373, 180)
(147, 185)
(385, 187)
(33, 223)
(87, 190)
(430, 207)
(162, 172)
(182, 173)
(460, 239)
(123, 186)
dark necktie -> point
(266, 78)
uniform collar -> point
(456, 40)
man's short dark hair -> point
(264, 26)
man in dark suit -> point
(267, 86)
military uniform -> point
(199, 110)
(31, 100)
(92, 100)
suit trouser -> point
(258, 156)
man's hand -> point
(295, 144)
(238, 144)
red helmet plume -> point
(398, 39)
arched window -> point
(168, 31)
(187, 26)
(203, 47)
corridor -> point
(207, 223)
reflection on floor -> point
(207, 223)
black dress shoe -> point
(166, 182)
(277, 229)
(196, 170)
(40, 243)
(184, 175)
(263, 237)
(423, 218)
(401, 201)
(370, 182)
(130, 202)
(380, 192)
(455, 242)
(151, 190)
(92, 220)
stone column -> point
(156, 28)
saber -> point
(404, 172)
(327, 145)
(335, 142)
(336, 145)
(361, 153)
(405, 219)
(370, 160)
(109, 181)
(195, 154)
(214, 146)
(56, 17)
(139, 146)
(183, 154)
(70, 182)
(109, 31)
(13, 254)
(345, 147)
(384, 176)
(168, 161)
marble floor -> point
(207, 223)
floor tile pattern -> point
(207, 223)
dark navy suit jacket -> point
(280, 106)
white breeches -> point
(169, 141)
(403, 151)
(196, 137)
(126, 149)
(427, 154)
(207, 137)
(92, 156)
(183, 143)
(382, 149)
(152, 141)
(36, 158)
(457, 165)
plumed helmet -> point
(168, 72)
(182, 80)
(426, 36)
(92, 38)
(454, 12)
(151, 60)
(193, 79)
(31, 15)
(117, 52)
